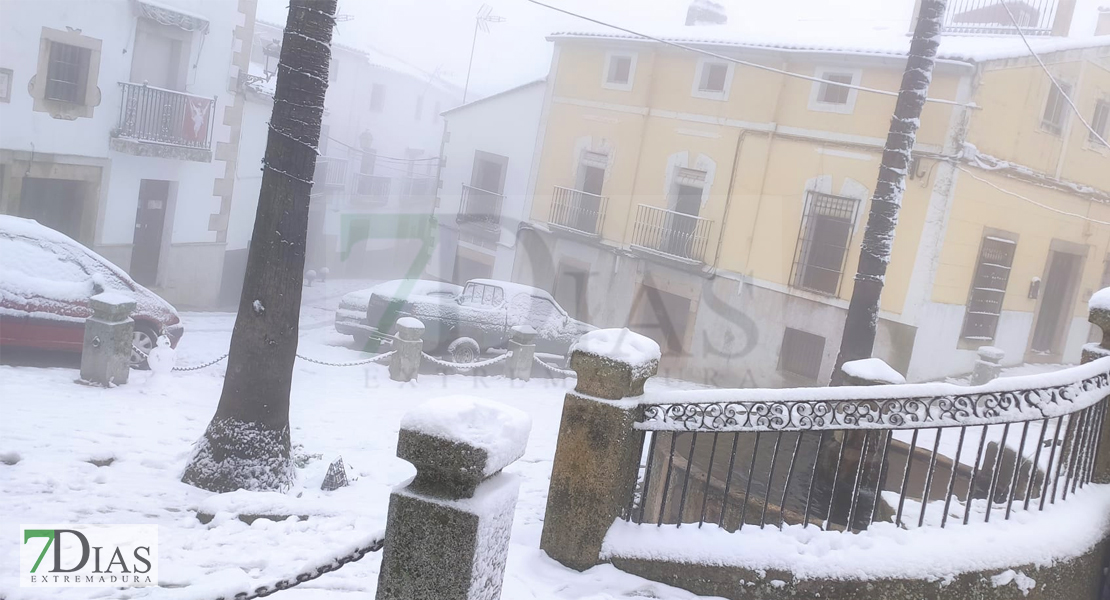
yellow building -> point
(718, 202)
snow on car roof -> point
(18, 226)
(512, 288)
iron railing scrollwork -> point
(153, 114)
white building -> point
(120, 127)
(487, 163)
(375, 178)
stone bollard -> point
(1099, 315)
(106, 353)
(447, 537)
(522, 349)
(598, 451)
(989, 365)
(407, 348)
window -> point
(377, 97)
(1056, 110)
(831, 93)
(1099, 122)
(480, 294)
(712, 80)
(988, 288)
(801, 353)
(419, 107)
(823, 240)
(67, 73)
(619, 71)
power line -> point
(738, 61)
(1055, 83)
(361, 151)
(1031, 201)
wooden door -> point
(150, 219)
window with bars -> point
(1056, 110)
(1099, 122)
(67, 73)
(826, 231)
(992, 274)
(801, 353)
(831, 92)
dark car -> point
(480, 317)
(46, 280)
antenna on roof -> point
(482, 20)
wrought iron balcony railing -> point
(989, 17)
(372, 189)
(574, 209)
(331, 172)
(672, 233)
(160, 116)
(480, 207)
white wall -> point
(506, 125)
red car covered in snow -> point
(46, 280)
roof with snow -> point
(878, 43)
(511, 90)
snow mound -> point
(246, 502)
(1100, 299)
(410, 323)
(873, 369)
(500, 430)
(113, 298)
(619, 344)
(993, 353)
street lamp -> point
(482, 20)
(272, 54)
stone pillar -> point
(106, 353)
(447, 535)
(522, 349)
(1100, 316)
(597, 456)
(407, 348)
(988, 366)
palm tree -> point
(246, 445)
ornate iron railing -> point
(372, 188)
(480, 207)
(917, 455)
(161, 116)
(989, 17)
(671, 233)
(574, 209)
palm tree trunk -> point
(863, 312)
(246, 445)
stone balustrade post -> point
(408, 347)
(597, 455)
(522, 350)
(447, 535)
(1100, 316)
(988, 366)
(106, 353)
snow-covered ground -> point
(52, 430)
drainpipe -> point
(728, 197)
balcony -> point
(480, 208)
(331, 173)
(989, 17)
(674, 235)
(577, 211)
(163, 123)
(372, 189)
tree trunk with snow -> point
(246, 445)
(836, 494)
(863, 311)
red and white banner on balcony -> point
(198, 112)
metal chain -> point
(553, 368)
(465, 366)
(179, 369)
(378, 358)
(332, 565)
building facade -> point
(375, 181)
(722, 215)
(488, 150)
(121, 124)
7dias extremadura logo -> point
(88, 555)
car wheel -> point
(143, 338)
(464, 350)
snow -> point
(258, 308)
(1064, 530)
(410, 323)
(355, 412)
(113, 298)
(619, 344)
(991, 353)
(500, 430)
(873, 369)
(1021, 580)
(1100, 300)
